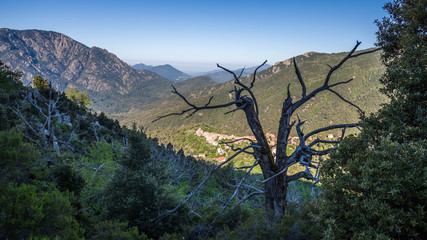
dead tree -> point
(48, 109)
(275, 167)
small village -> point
(221, 140)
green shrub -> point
(26, 212)
(109, 230)
(300, 224)
(16, 157)
(9, 80)
(375, 191)
(137, 197)
(375, 184)
(68, 179)
(80, 98)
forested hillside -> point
(270, 89)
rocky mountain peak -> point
(66, 62)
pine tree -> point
(375, 185)
(41, 84)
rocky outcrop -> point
(66, 62)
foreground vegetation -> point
(375, 186)
(69, 173)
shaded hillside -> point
(113, 85)
(270, 90)
(166, 71)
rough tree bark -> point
(275, 167)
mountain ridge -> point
(270, 90)
(113, 85)
(166, 70)
(220, 76)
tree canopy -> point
(375, 184)
(80, 98)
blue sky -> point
(195, 35)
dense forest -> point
(67, 172)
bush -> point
(26, 212)
(300, 224)
(16, 157)
(137, 197)
(375, 191)
(109, 230)
(68, 179)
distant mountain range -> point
(113, 85)
(166, 71)
(221, 76)
(169, 72)
(116, 87)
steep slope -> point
(166, 71)
(270, 90)
(113, 85)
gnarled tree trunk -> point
(275, 167)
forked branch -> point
(193, 107)
(239, 101)
(349, 125)
(326, 85)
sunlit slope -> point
(270, 90)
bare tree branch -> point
(247, 197)
(304, 174)
(275, 175)
(339, 83)
(235, 191)
(194, 108)
(244, 87)
(349, 125)
(167, 213)
(345, 100)
(317, 140)
(332, 70)
(326, 85)
(276, 166)
(254, 75)
(301, 81)
(17, 111)
(236, 78)
(366, 52)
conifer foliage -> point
(375, 184)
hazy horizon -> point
(195, 35)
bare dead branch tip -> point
(345, 100)
(255, 72)
(301, 81)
